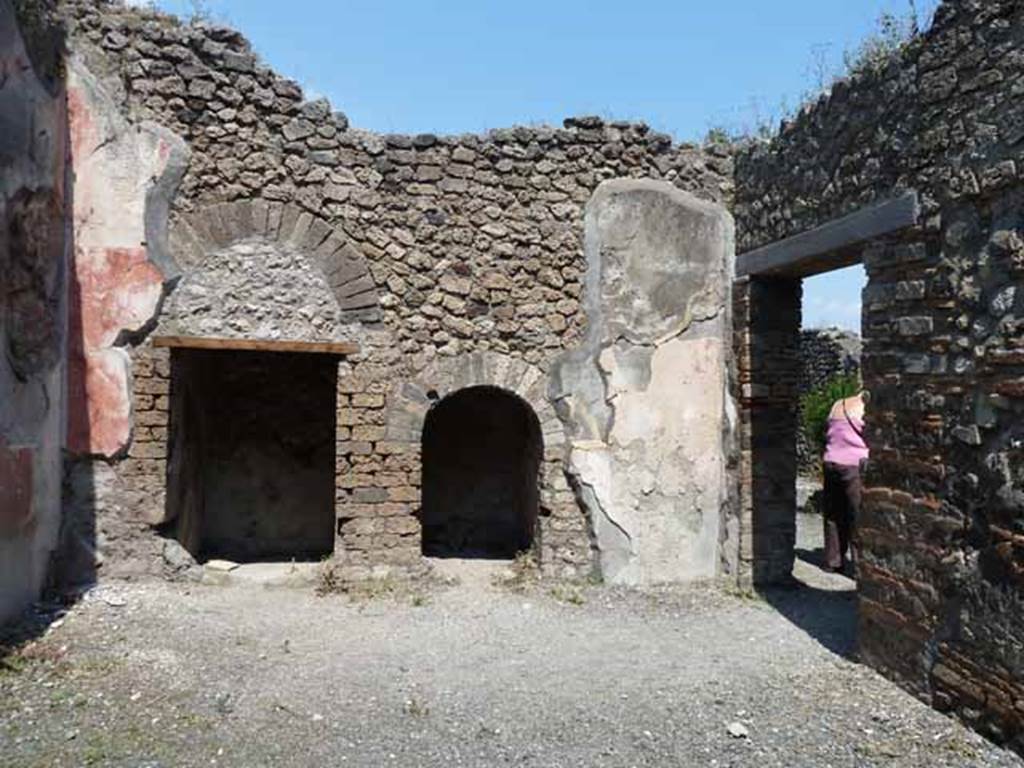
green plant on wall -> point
(816, 404)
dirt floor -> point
(469, 675)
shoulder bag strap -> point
(860, 432)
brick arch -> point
(195, 236)
(376, 509)
(409, 401)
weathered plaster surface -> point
(646, 396)
(32, 319)
(121, 170)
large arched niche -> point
(195, 237)
(255, 289)
(251, 435)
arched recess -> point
(482, 454)
(193, 237)
(410, 402)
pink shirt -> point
(843, 445)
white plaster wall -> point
(646, 399)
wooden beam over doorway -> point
(832, 245)
(339, 348)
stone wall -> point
(940, 571)
(454, 261)
(33, 307)
(825, 353)
(766, 335)
(892, 129)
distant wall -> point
(942, 566)
(825, 353)
(33, 283)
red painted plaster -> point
(118, 289)
(114, 287)
(15, 490)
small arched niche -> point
(482, 453)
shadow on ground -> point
(821, 604)
(815, 557)
(18, 634)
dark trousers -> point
(841, 510)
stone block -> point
(914, 326)
(359, 301)
(369, 495)
(392, 448)
(354, 448)
(403, 493)
(368, 433)
(367, 400)
(402, 526)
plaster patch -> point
(117, 289)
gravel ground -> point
(157, 674)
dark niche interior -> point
(252, 446)
(482, 451)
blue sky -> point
(454, 66)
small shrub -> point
(360, 585)
(375, 589)
(893, 33)
(328, 580)
(742, 592)
(524, 571)
(567, 593)
(878, 49)
(16, 657)
(718, 136)
(816, 404)
(199, 12)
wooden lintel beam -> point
(829, 246)
(340, 348)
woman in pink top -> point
(845, 451)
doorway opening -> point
(830, 371)
(787, 532)
(251, 455)
(482, 452)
